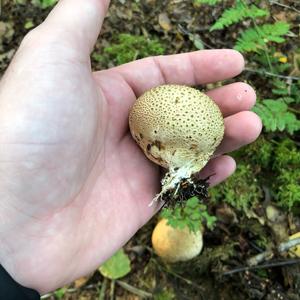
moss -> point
(240, 190)
(286, 186)
(275, 164)
(164, 294)
(131, 47)
(259, 153)
(286, 155)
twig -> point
(134, 290)
(191, 35)
(267, 255)
(265, 49)
(271, 74)
(103, 289)
(288, 245)
(180, 277)
(284, 5)
(264, 266)
(296, 111)
(112, 290)
(254, 261)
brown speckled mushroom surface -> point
(176, 125)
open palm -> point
(74, 185)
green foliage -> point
(279, 115)
(164, 295)
(259, 154)
(238, 13)
(271, 57)
(240, 190)
(256, 38)
(192, 215)
(286, 155)
(287, 167)
(60, 293)
(273, 164)
(117, 266)
(209, 2)
(289, 92)
(276, 116)
(288, 194)
(44, 3)
(132, 47)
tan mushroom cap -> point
(174, 245)
(176, 124)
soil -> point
(220, 272)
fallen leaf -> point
(164, 22)
(82, 281)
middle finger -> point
(233, 98)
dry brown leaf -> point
(81, 281)
(164, 22)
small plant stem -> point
(265, 49)
(136, 54)
(271, 74)
(272, 2)
(294, 110)
(254, 261)
(266, 255)
(264, 266)
(112, 290)
(103, 289)
(267, 56)
(134, 290)
(179, 276)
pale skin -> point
(74, 185)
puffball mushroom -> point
(178, 128)
(173, 244)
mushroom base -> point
(186, 189)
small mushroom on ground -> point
(178, 128)
(173, 244)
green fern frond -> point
(209, 2)
(289, 92)
(254, 39)
(237, 14)
(280, 88)
(276, 117)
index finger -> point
(199, 67)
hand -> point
(74, 185)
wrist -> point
(10, 289)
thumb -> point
(77, 21)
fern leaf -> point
(254, 39)
(280, 88)
(237, 14)
(289, 92)
(276, 117)
(209, 2)
(250, 41)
